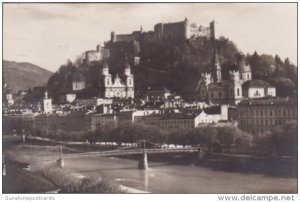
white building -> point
(47, 104)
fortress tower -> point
(212, 29)
(113, 37)
(187, 33)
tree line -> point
(282, 140)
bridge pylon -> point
(60, 162)
(143, 161)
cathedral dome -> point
(255, 84)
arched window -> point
(256, 93)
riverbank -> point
(26, 174)
(18, 180)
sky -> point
(49, 34)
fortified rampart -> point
(168, 31)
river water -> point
(165, 178)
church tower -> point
(235, 88)
(244, 68)
(129, 80)
(106, 80)
(216, 69)
(47, 104)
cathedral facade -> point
(117, 87)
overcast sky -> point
(48, 34)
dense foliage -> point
(178, 64)
(281, 74)
(282, 140)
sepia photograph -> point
(150, 98)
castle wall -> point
(128, 37)
(91, 56)
(175, 30)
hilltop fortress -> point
(175, 30)
(131, 43)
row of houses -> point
(164, 119)
(254, 116)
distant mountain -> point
(24, 75)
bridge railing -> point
(121, 152)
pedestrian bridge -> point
(143, 162)
(121, 151)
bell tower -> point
(216, 69)
(47, 104)
(129, 79)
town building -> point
(257, 116)
(75, 121)
(186, 118)
(96, 121)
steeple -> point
(46, 95)
(216, 68)
(127, 66)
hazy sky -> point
(48, 34)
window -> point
(248, 75)
(256, 93)
(271, 113)
(220, 94)
(238, 92)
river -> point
(165, 178)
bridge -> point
(142, 161)
(121, 151)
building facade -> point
(117, 87)
(257, 116)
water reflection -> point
(163, 178)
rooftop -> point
(256, 84)
(269, 101)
